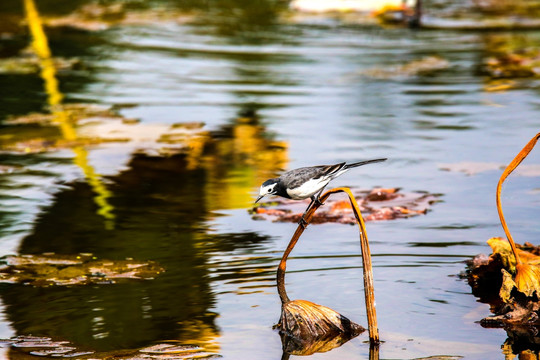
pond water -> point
(273, 93)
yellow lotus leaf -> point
(527, 279)
(507, 285)
(503, 248)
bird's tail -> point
(360, 163)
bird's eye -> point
(269, 190)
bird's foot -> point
(303, 223)
(318, 202)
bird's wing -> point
(331, 170)
(297, 177)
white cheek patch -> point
(307, 189)
(266, 190)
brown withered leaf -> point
(306, 328)
(32, 347)
(428, 64)
(508, 285)
(376, 204)
(52, 269)
(513, 298)
(527, 274)
(528, 279)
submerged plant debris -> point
(375, 204)
(41, 132)
(81, 269)
(474, 168)
(521, 63)
(31, 347)
(421, 66)
(28, 63)
(492, 280)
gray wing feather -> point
(294, 178)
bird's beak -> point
(259, 198)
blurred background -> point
(143, 129)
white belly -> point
(308, 189)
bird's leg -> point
(317, 198)
(314, 200)
(303, 221)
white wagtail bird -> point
(307, 182)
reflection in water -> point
(292, 346)
(240, 158)
(48, 73)
(232, 57)
(161, 205)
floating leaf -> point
(169, 349)
(507, 285)
(527, 273)
(422, 66)
(527, 278)
(502, 247)
(51, 269)
(29, 346)
(376, 204)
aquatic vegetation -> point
(509, 279)
(423, 66)
(159, 201)
(39, 132)
(315, 328)
(310, 327)
(527, 276)
(376, 204)
(29, 347)
(28, 64)
(523, 63)
(101, 16)
(82, 269)
(475, 168)
(493, 280)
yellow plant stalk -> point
(40, 46)
(527, 275)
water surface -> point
(272, 95)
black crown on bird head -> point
(269, 182)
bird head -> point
(269, 187)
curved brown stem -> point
(517, 160)
(299, 230)
(366, 261)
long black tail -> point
(360, 163)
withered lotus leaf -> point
(376, 205)
(307, 328)
(31, 347)
(52, 269)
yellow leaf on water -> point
(527, 279)
(503, 248)
(507, 285)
